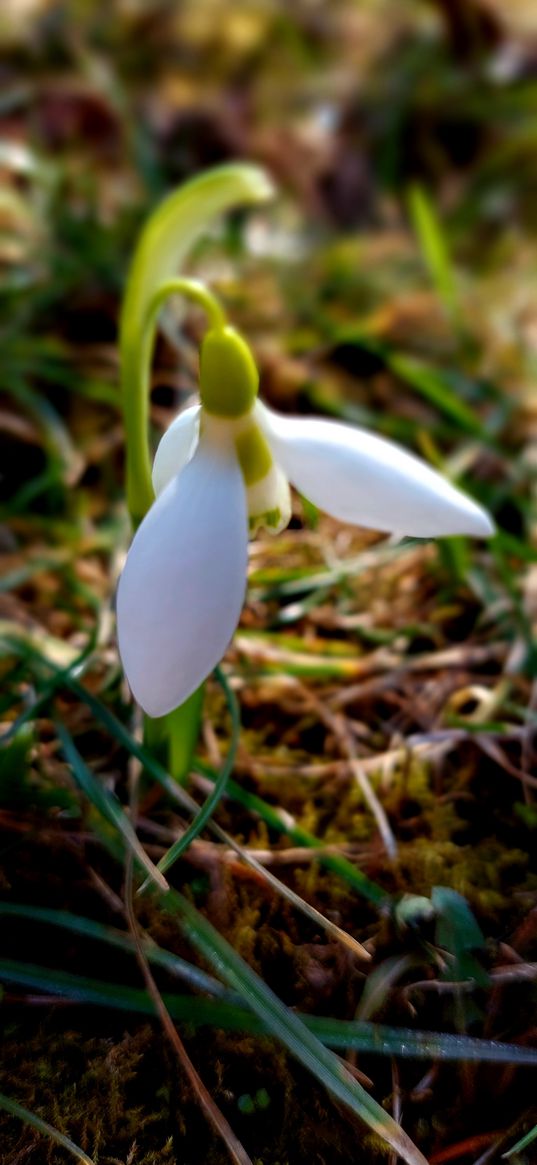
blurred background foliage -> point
(393, 283)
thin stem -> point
(172, 739)
(136, 417)
(192, 289)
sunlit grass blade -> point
(42, 1126)
(272, 655)
(445, 388)
(107, 805)
(202, 1094)
(434, 246)
(48, 650)
(65, 460)
(339, 1034)
(299, 903)
(433, 385)
(522, 1144)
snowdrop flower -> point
(223, 469)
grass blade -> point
(89, 928)
(339, 1034)
(433, 384)
(42, 1126)
(286, 1026)
(207, 809)
(522, 1143)
(434, 247)
(106, 805)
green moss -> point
(484, 872)
(111, 1095)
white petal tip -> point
(476, 522)
(487, 527)
(155, 708)
(470, 522)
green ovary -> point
(228, 389)
(228, 376)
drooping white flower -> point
(223, 468)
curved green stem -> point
(165, 241)
(192, 289)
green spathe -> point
(228, 376)
(165, 241)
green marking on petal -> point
(253, 452)
(270, 520)
(228, 376)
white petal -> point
(368, 481)
(181, 592)
(176, 447)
